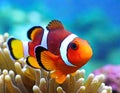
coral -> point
(112, 74)
(17, 77)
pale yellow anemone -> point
(17, 77)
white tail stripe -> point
(25, 47)
(44, 39)
(64, 46)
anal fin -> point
(31, 61)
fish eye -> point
(73, 46)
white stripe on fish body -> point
(25, 47)
(64, 46)
(44, 39)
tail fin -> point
(15, 47)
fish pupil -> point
(73, 46)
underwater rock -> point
(112, 76)
(18, 77)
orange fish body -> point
(56, 50)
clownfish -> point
(54, 49)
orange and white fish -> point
(55, 49)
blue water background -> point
(97, 21)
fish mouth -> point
(85, 52)
(84, 56)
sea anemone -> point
(17, 77)
(112, 74)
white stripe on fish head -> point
(63, 48)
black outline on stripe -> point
(38, 51)
(10, 48)
(31, 30)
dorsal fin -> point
(55, 24)
(34, 31)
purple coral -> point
(112, 74)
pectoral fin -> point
(45, 58)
